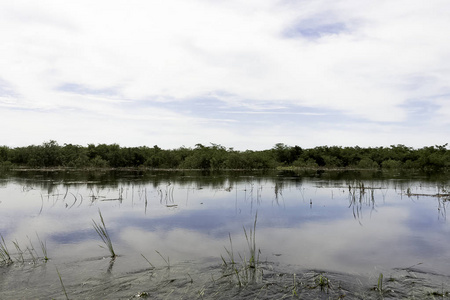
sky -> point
(242, 74)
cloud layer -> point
(246, 75)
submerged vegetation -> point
(216, 157)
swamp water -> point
(313, 235)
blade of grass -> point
(100, 228)
(167, 261)
(19, 251)
(62, 284)
(5, 257)
(43, 247)
(148, 261)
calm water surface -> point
(350, 224)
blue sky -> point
(243, 74)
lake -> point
(317, 235)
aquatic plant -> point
(43, 247)
(19, 252)
(33, 257)
(380, 283)
(100, 228)
(229, 252)
(62, 284)
(294, 286)
(251, 242)
(322, 281)
(245, 272)
(148, 261)
(5, 257)
(167, 261)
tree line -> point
(216, 157)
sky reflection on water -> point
(310, 222)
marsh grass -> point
(43, 245)
(100, 228)
(323, 282)
(31, 249)
(5, 256)
(62, 284)
(151, 265)
(251, 242)
(167, 261)
(20, 252)
(248, 269)
(380, 283)
(33, 257)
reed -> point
(380, 283)
(246, 271)
(5, 256)
(323, 282)
(43, 248)
(19, 252)
(151, 265)
(251, 242)
(294, 287)
(62, 284)
(166, 260)
(33, 257)
(100, 228)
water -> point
(345, 227)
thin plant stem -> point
(62, 284)
(100, 228)
(148, 261)
(43, 247)
(167, 261)
(19, 251)
(4, 252)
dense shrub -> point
(216, 157)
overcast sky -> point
(243, 74)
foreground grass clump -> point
(5, 256)
(100, 228)
(248, 270)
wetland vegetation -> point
(218, 157)
(261, 234)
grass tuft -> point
(20, 252)
(5, 257)
(247, 270)
(104, 235)
(43, 247)
(380, 283)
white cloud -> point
(365, 60)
